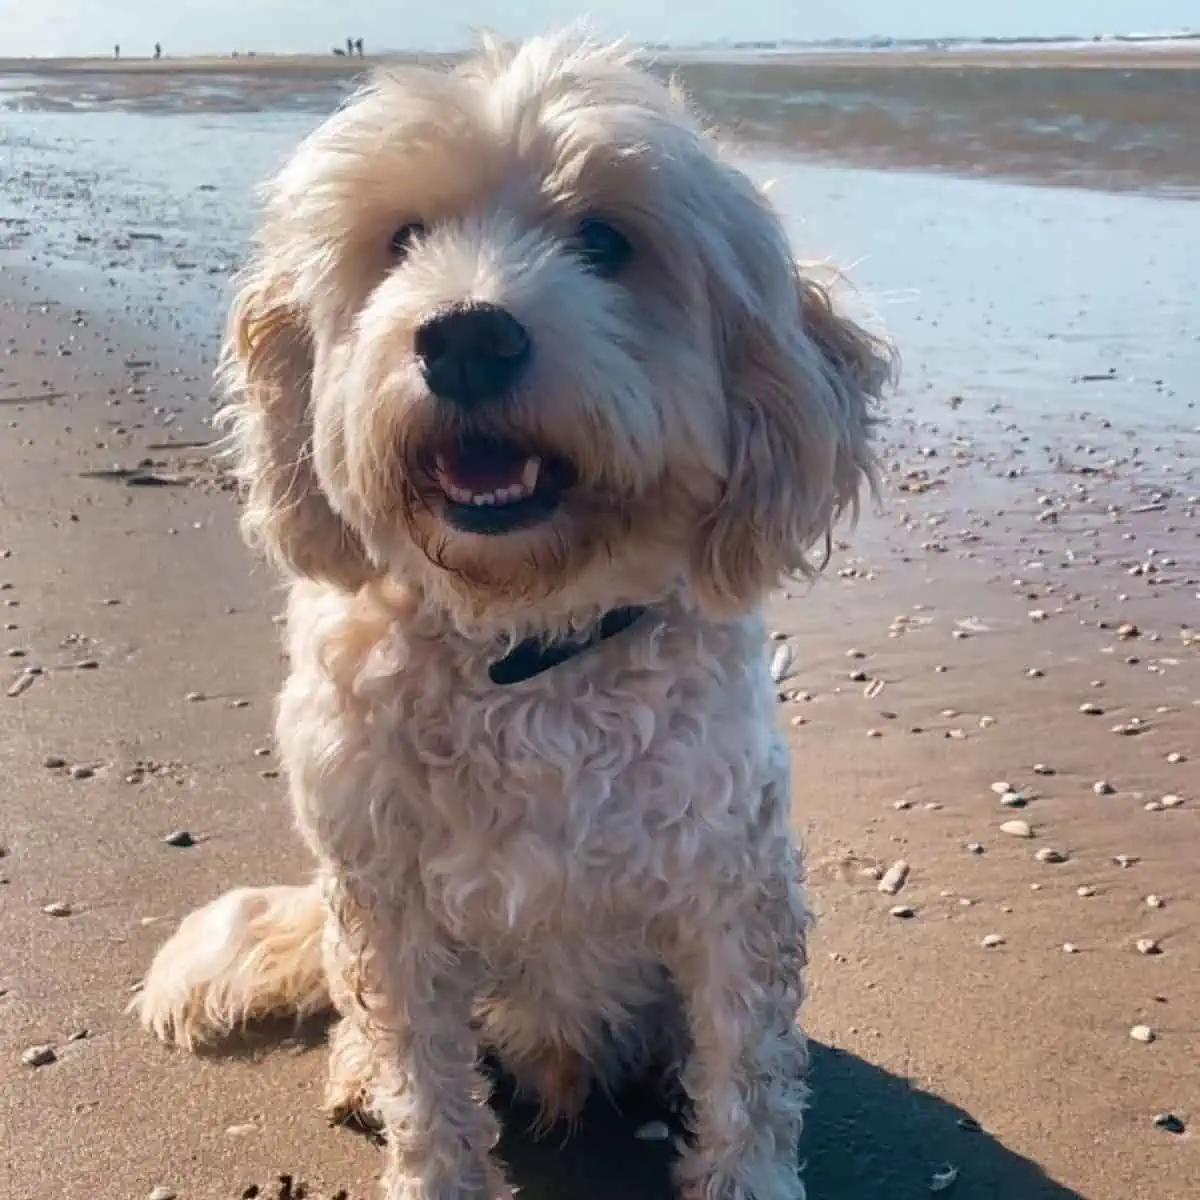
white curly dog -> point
(533, 407)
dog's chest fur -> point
(581, 800)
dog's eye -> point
(602, 248)
(404, 237)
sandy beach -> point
(1013, 638)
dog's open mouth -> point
(494, 486)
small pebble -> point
(1021, 829)
(1091, 710)
(162, 1193)
(1171, 801)
(1142, 1033)
(1085, 891)
(1175, 757)
(781, 663)
(1047, 854)
(991, 941)
(1125, 860)
(894, 878)
(1170, 1122)
(54, 762)
(903, 911)
(974, 847)
(1070, 948)
(943, 1180)
(652, 1131)
(20, 685)
(1042, 769)
(194, 697)
(58, 908)
(1148, 946)
(1103, 788)
(180, 838)
(39, 1056)
(1155, 902)
(81, 771)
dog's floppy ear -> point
(800, 379)
(266, 371)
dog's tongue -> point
(478, 466)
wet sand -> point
(146, 634)
(952, 648)
(1105, 116)
(1023, 612)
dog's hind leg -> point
(255, 952)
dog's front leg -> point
(414, 991)
(739, 971)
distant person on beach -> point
(117, 50)
(350, 47)
(358, 45)
(158, 50)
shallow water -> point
(1113, 126)
(1044, 299)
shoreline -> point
(1178, 55)
(954, 642)
(1110, 127)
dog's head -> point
(518, 334)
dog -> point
(532, 407)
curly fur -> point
(589, 872)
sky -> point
(60, 27)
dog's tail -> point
(255, 952)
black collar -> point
(533, 656)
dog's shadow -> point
(870, 1135)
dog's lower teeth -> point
(500, 496)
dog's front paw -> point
(352, 1073)
(749, 1178)
(404, 1187)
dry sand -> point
(949, 652)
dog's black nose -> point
(472, 353)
